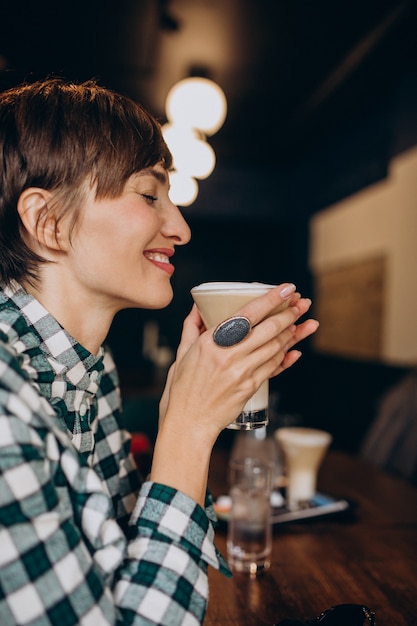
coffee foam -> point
(297, 435)
(232, 286)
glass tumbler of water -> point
(249, 538)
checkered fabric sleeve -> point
(63, 557)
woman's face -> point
(121, 248)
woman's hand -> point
(230, 376)
(208, 385)
(192, 329)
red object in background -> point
(141, 449)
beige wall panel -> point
(349, 303)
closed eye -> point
(148, 197)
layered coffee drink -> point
(304, 450)
(218, 301)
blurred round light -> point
(183, 189)
(192, 156)
(197, 102)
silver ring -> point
(232, 331)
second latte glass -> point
(218, 301)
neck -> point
(87, 319)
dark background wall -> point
(236, 236)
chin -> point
(164, 303)
(156, 302)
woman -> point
(87, 229)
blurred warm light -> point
(183, 189)
(192, 156)
(195, 108)
(197, 103)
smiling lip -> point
(160, 257)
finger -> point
(195, 316)
(192, 328)
(302, 331)
(265, 305)
(294, 298)
(289, 360)
(277, 354)
(266, 358)
(272, 326)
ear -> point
(38, 219)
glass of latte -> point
(218, 301)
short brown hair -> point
(56, 135)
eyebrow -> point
(161, 177)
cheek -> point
(135, 225)
(118, 233)
(115, 231)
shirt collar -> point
(64, 353)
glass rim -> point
(231, 286)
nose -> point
(175, 226)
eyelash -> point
(149, 198)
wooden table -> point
(368, 558)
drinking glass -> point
(249, 539)
(218, 301)
(303, 450)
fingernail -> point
(287, 290)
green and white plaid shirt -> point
(77, 546)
